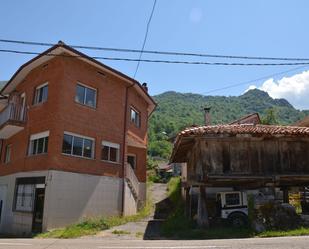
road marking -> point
(14, 244)
(160, 247)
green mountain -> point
(176, 111)
(2, 83)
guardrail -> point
(13, 112)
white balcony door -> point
(3, 190)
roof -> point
(186, 137)
(61, 48)
(253, 118)
(246, 129)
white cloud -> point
(251, 88)
(295, 89)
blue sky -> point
(277, 28)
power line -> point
(255, 80)
(161, 61)
(126, 50)
(145, 38)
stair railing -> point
(130, 175)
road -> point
(100, 243)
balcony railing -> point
(13, 112)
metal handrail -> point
(13, 112)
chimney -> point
(144, 85)
(207, 117)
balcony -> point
(12, 120)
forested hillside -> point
(176, 111)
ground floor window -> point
(25, 193)
(110, 151)
(131, 159)
(77, 145)
(24, 197)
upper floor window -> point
(38, 143)
(8, 150)
(41, 93)
(110, 151)
(86, 95)
(135, 117)
(77, 145)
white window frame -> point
(135, 163)
(84, 100)
(139, 114)
(35, 102)
(36, 136)
(22, 208)
(8, 153)
(83, 137)
(111, 145)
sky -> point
(277, 28)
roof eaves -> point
(28, 63)
(63, 45)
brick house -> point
(73, 142)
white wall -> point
(18, 223)
(130, 205)
(71, 197)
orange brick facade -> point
(62, 113)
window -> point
(7, 157)
(86, 95)
(24, 197)
(77, 145)
(38, 143)
(232, 199)
(25, 189)
(132, 161)
(41, 93)
(135, 117)
(110, 151)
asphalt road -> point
(99, 243)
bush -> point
(275, 216)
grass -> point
(91, 226)
(294, 232)
(121, 232)
(174, 190)
(176, 223)
(139, 235)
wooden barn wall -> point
(256, 157)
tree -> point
(270, 118)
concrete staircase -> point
(134, 186)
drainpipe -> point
(125, 128)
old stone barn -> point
(242, 157)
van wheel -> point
(238, 220)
